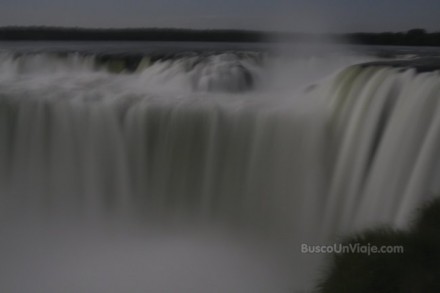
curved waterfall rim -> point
(419, 64)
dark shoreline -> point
(414, 37)
(420, 65)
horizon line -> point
(208, 29)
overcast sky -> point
(288, 15)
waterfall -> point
(386, 126)
(203, 139)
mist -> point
(201, 168)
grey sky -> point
(293, 15)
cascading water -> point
(386, 126)
(202, 139)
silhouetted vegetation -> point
(416, 270)
(414, 37)
(149, 34)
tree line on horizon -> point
(413, 37)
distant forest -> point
(414, 37)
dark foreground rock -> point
(416, 270)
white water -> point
(162, 180)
